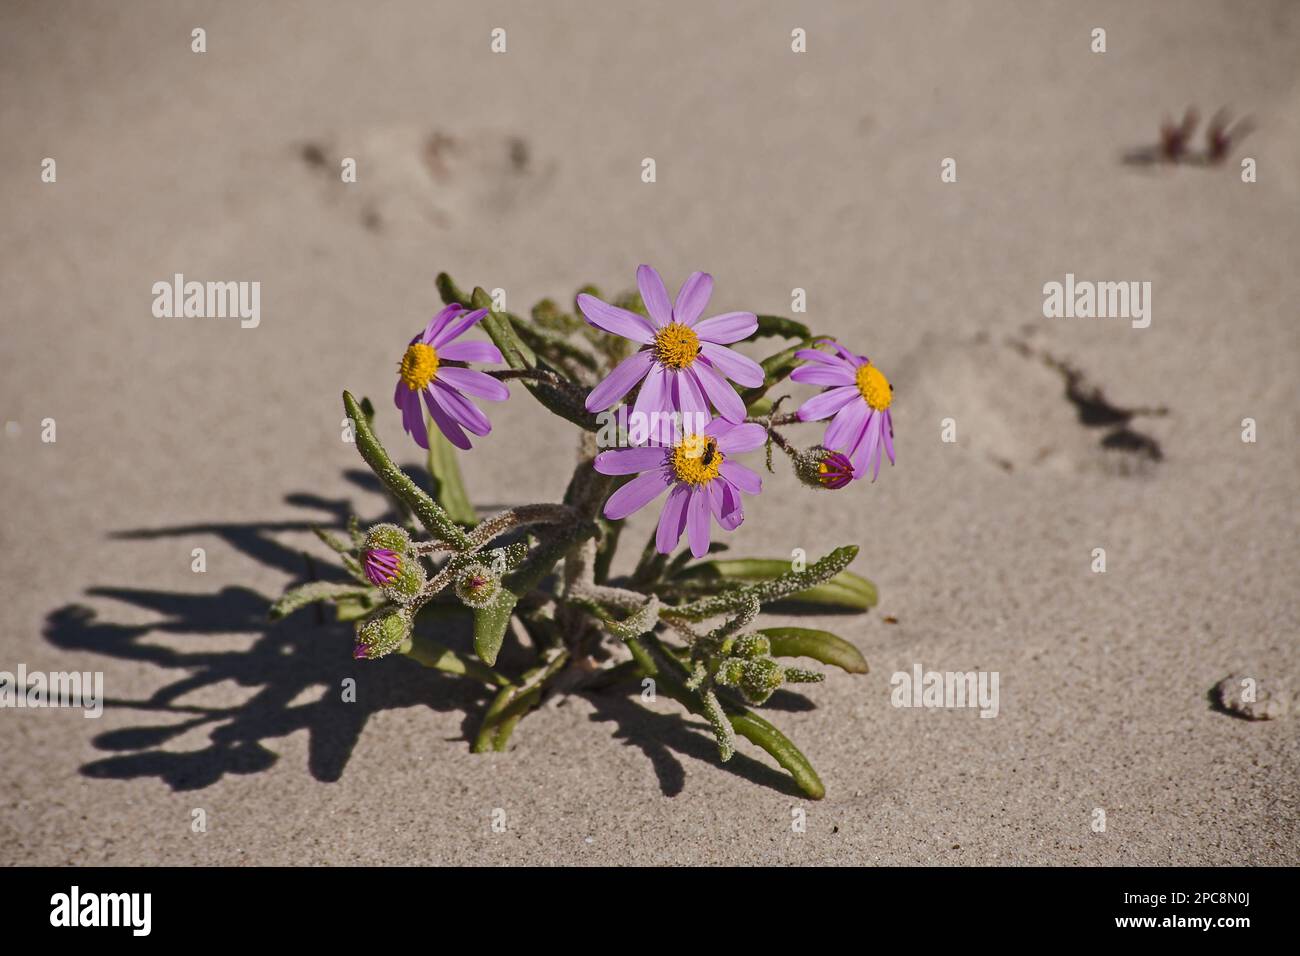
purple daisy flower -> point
(685, 364)
(859, 396)
(382, 565)
(703, 478)
(433, 366)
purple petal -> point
(458, 328)
(723, 396)
(817, 355)
(686, 395)
(636, 494)
(727, 328)
(413, 418)
(740, 369)
(457, 407)
(445, 423)
(823, 375)
(439, 322)
(849, 357)
(620, 381)
(470, 352)
(742, 476)
(654, 295)
(628, 461)
(863, 454)
(724, 501)
(652, 398)
(473, 382)
(827, 403)
(845, 431)
(617, 321)
(741, 438)
(887, 433)
(673, 520)
(692, 297)
(697, 521)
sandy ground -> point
(775, 171)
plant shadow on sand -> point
(306, 656)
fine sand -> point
(775, 170)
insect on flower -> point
(702, 477)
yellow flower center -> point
(696, 460)
(874, 387)
(676, 345)
(419, 366)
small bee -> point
(710, 450)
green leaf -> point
(510, 705)
(843, 590)
(553, 347)
(430, 653)
(670, 676)
(813, 585)
(490, 625)
(567, 402)
(448, 486)
(499, 328)
(305, 594)
(355, 608)
(780, 326)
(758, 731)
(819, 645)
(399, 483)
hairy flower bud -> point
(408, 581)
(760, 678)
(751, 646)
(382, 633)
(822, 468)
(730, 672)
(477, 586)
(388, 537)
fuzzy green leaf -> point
(399, 482)
(510, 705)
(348, 609)
(430, 653)
(780, 326)
(499, 328)
(490, 625)
(670, 677)
(819, 645)
(305, 594)
(824, 583)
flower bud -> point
(408, 581)
(477, 586)
(730, 672)
(823, 468)
(751, 646)
(388, 537)
(382, 633)
(761, 677)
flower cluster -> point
(683, 371)
(683, 367)
(544, 572)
